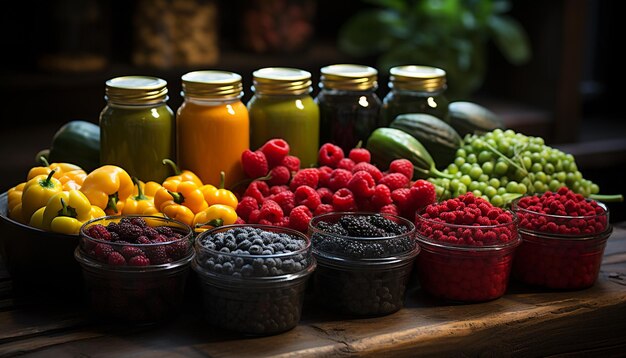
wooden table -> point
(525, 322)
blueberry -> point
(256, 263)
(247, 270)
(241, 237)
(244, 245)
(257, 241)
(270, 263)
(217, 268)
(239, 262)
(225, 250)
(227, 268)
(231, 244)
(267, 252)
(255, 250)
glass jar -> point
(348, 104)
(282, 107)
(415, 89)
(213, 127)
(137, 129)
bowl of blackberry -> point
(253, 277)
(135, 267)
(364, 261)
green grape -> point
(465, 168)
(501, 168)
(548, 168)
(521, 188)
(561, 176)
(475, 172)
(454, 184)
(554, 185)
(539, 187)
(595, 189)
(497, 200)
(487, 167)
(484, 156)
(490, 191)
(512, 187)
(461, 153)
(527, 162)
(504, 180)
(501, 190)
(477, 193)
(494, 182)
(482, 186)
(541, 176)
(483, 178)
(519, 174)
(473, 186)
(471, 158)
(462, 189)
(465, 179)
(459, 161)
(452, 168)
(536, 168)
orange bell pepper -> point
(180, 176)
(185, 194)
(71, 176)
(108, 187)
(140, 203)
(214, 195)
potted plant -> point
(449, 34)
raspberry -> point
(359, 155)
(178, 249)
(240, 221)
(102, 252)
(346, 163)
(330, 155)
(299, 218)
(116, 259)
(139, 222)
(402, 166)
(423, 193)
(99, 232)
(343, 200)
(307, 196)
(381, 196)
(278, 189)
(258, 190)
(286, 200)
(129, 232)
(275, 151)
(279, 175)
(402, 198)
(284, 222)
(254, 216)
(374, 172)
(309, 176)
(144, 240)
(323, 209)
(265, 222)
(394, 181)
(254, 163)
(271, 211)
(389, 209)
(130, 251)
(326, 195)
(139, 261)
(364, 204)
(339, 179)
(324, 175)
(292, 163)
(362, 184)
(246, 206)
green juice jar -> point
(415, 89)
(282, 107)
(137, 127)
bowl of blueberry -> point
(364, 261)
(563, 240)
(253, 277)
(135, 267)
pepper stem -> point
(214, 222)
(112, 203)
(67, 210)
(44, 161)
(178, 197)
(172, 165)
(359, 144)
(140, 194)
(606, 198)
(222, 179)
(47, 183)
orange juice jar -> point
(212, 126)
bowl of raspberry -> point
(253, 277)
(467, 249)
(135, 267)
(563, 240)
(364, 262)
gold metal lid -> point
(136, 90)
(281, 81)
(417, 78)
(211, 84)
(349, 77)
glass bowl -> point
(254, 287)
(148, 284)
(550, 257)
(362, 276)
(464, 272)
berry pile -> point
(466, 220)
(132, 242)
(467, 249)
(252, 252)
(285, 195)
(563, 212)
(351, 236)
(564, 237)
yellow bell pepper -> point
(64, 206)
(36, 220)
(37, 192)
(214, 195)
(186, 194)
(96, 212)
(140, 203)
(108, 187)
(215, 215)
(14, 202)
(180, 176)
(70, 175)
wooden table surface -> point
(524, 322)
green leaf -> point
(501, 6)
(510, 38)
(448, 9)
(399, 5)
(370, 32)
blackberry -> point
(139, 222)
(165, 230)
(332, 228)
(359, 226)
(129, 232)
(387, 225)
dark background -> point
(570, 93)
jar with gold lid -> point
(137, 128)
(349, 106)
(213, 127)
(415, 89)
(282, 107)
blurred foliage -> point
(449, 34)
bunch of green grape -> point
(503, 165)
